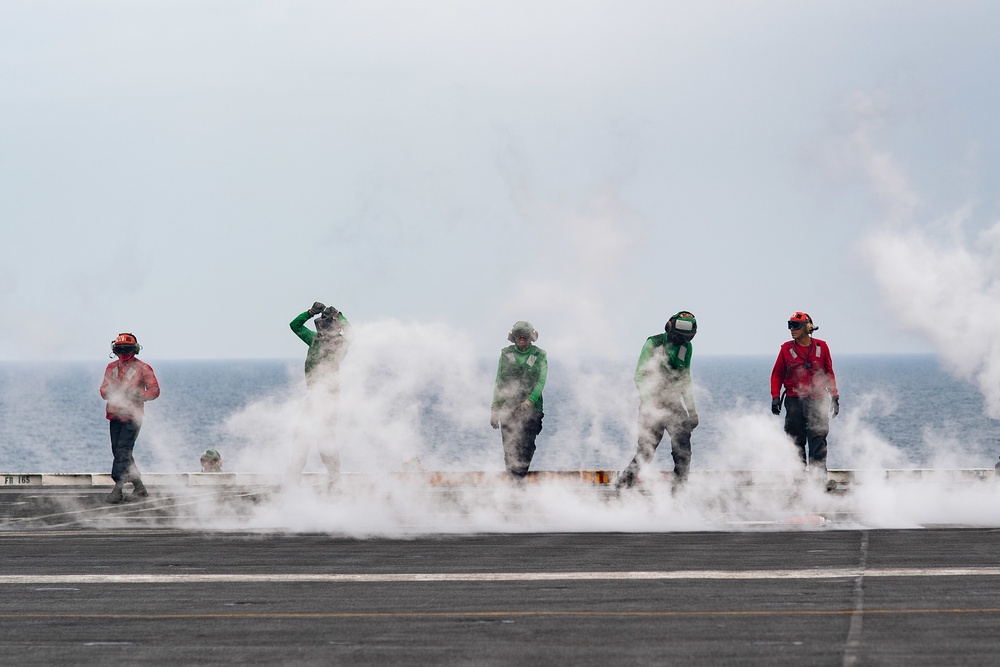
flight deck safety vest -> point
(804, 372)
(126, 387)
(663, 372)
(520, 376)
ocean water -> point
(896, 411)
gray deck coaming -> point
(596, 477)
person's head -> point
(801, 326)
(329, 321)
(522, 334)
(211, 461)
(681, 328)
(125, 346)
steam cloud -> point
(416, 396)
(935, 283)
(405, 400)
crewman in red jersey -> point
(128, 384)
(804, 369)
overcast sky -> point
(199, 173)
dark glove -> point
(317, 308)
(835, 406)
(776, 405)
(692, 421)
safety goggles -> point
(795, 326)
(684, 328)
(521, 333)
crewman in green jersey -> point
(517, 397)
(666, 397)
(317, 423)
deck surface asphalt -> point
(157, 596)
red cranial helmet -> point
(125, 343)
(799, 320)
(125, 339)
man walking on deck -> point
(804, 369)
(128, 383)
(517, 397)
(666, 398)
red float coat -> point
(791, 372)
(127, 385)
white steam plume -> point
(934, 281)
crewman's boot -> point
(678, 481)
(518, 476)
(626, 480)
(116, 495)
(138, 490)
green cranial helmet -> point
(522, 328)
(682, 327)
(211, 461)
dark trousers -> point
(654, 420)
(518, 432)
(123, 435)
(807, 423)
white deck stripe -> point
(852, 645)
(198, 578)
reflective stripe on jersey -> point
(818, 354)
(129, 374)
(529, 363)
